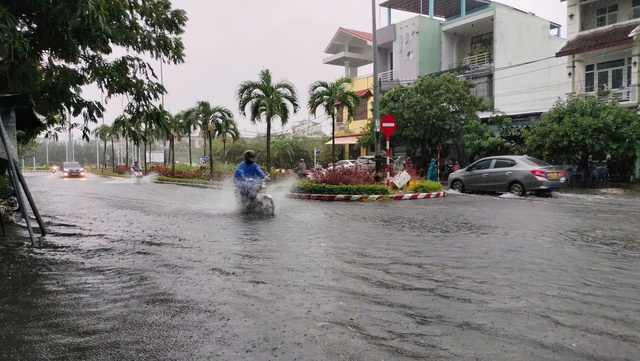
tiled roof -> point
(608, 37)
(360, 34)
(362, 93)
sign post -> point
(388, 127)
(316, 151)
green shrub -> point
(426, 186)
(322, 188)
(183, 180)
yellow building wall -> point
(356, 126)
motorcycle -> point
(138, 174)
(252, 195)
(54, 169)
(448, 169)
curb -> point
(365, 197)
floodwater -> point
(153, 271)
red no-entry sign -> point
(388, 125)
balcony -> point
(477, 60)
(615, 95)
(388, 80)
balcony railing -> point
(473, 61)
(617, 95)
(386, 75)
(477, 60)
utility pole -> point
(376, 93)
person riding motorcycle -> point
(136, 167)
(248, 173)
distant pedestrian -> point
(456, 166)
(302, 169)
(432, 174)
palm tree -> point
(209, 120)
(269, 100)
(227, 128)
(126, 126)
(282, 148)
(103, 133)
(189, 124)
(327, 95)
(174, 127)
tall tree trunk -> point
(268, 145)
(104, 155)
(224, 148)
(204, 146)
(333, 142)
(190, 161)
(210, 156)
(172, 156)
(113, 157)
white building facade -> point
(602, 50)
(508, 53)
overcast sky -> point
(228, 42)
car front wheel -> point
(517, 189)
(457, 186)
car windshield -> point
(71, 165)
(536, 162)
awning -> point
(344, 140)
(616, 35)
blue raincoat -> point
(432, 174)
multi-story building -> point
(507, 52)
(602, 50)
(352, 49)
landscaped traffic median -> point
(416, 189)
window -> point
(607, 15)
(615, 74)
(362, 111)
(339, 114)
(589, 78)
(483, 164)
(636, 9)
(504, 163)
(482, 41)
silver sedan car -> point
(517, 174)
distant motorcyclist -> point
(248, 173)
(301, 169)
(136, 167)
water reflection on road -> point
(163, 272)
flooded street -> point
(164, 272)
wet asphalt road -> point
(163, 272)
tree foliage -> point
(269, 100)
(51, 49)
(210, 120)
(429, 112)
(495, 137)
(328, 95)
(585, 127)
